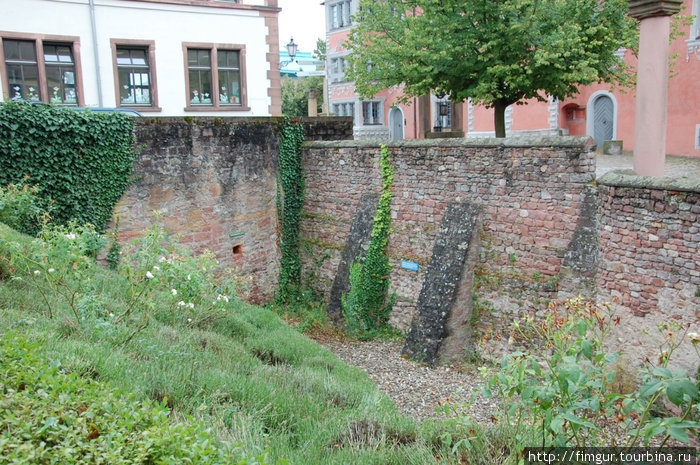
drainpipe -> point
(97, 53)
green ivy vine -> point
(290, 201)
(366, 308)
(81, 161)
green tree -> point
(320, 50)
(295, 94)
(497, 53)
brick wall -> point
(649, 260)
(649, 237)
(217, 179)
(533, 193)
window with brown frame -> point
(41, 69)
(135, 74)
(215, 77)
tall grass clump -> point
(168, 329)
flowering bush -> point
(58, 263)
(193, 285)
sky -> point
(304, 20)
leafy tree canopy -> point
(320, 50)
(295, 94)
(495, 52)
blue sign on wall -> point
(413, 266)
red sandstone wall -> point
(213, 179)
(216, 177)
(548, 231)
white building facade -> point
(161, 57)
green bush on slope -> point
(48, 415)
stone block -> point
(449, 270)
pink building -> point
(600, 111)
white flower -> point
(156, 267)
(189, 320)
(174, 291)
(71, 236)
(694, 337)
(149, 275)
(161, 259)
(111, 315)
(191, 305)
(51, 270)
(188, 277)
(225, 298)
(181, 303)
(37, 272)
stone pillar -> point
(652, 84)
(312, 103)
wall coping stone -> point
(150, 120)
(585, 142)
(628, 178)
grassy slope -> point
(251, 377)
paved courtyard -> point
(676, 167)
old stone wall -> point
(649, 239)
(216, 178)
(545, 229)
(336, 128)
(534, 196)
(549, 230)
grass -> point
(249, 376)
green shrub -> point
(564, 395)
(48, 415)
(81, 160)
(194, 288)
(366, 308)
(114, 249)
(57, 263)
(21, 208)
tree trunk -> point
(499, 118)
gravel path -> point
(418, 390)
(415, 389)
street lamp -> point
(292, 51)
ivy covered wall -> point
(80, 160)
